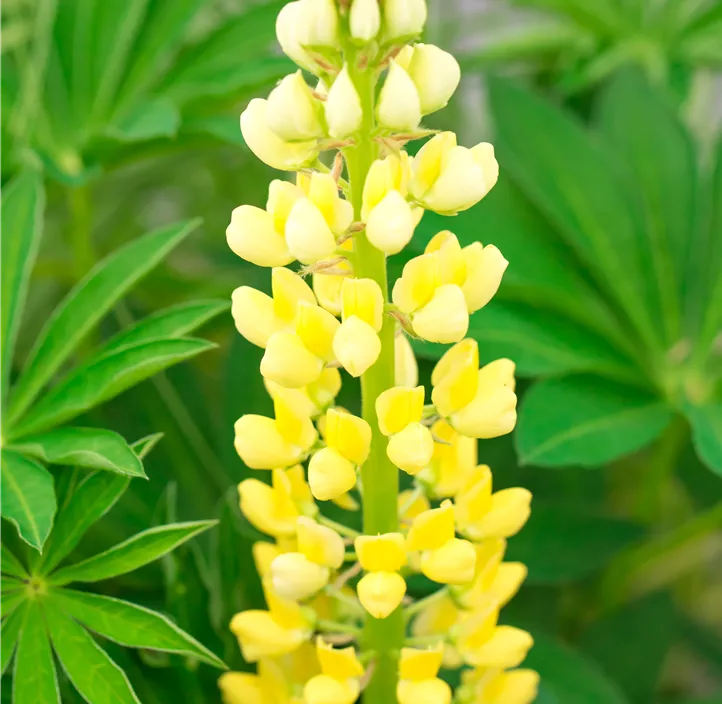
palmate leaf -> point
(91, 671)
(22, 207)
(11, 626)
(94, 448)
(13, 595)
(34, 677)
(706, 424)
(89, 301)
(135, 552)
(130, 625)
(28, 499)
(11, 565)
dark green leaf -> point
(22, 207)
(86, 304)
(28, 499)
(34, 677)
(94, 448)
(707, 433)
(586, 420)
(631, 644)
(130, 625)
(570, 676)
(553, 160)
(153, 119)
(11, 565)
(105, 377)
(9, 636)
(131, 554)
(94, 495)
(98, 679)
(561, 543)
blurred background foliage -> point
(606, 119)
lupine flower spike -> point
(342, 620)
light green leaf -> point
(98, 679)
(169, 323)
(132, 553)
(558, 167)
(13, 594)
(94, 448)
(586, 420)
(11, 565)
(144, 446)
(86, 304)
(34, 677)
(707, 433)
(23, 201)
(9, 636)
(94, 495)
(153, 119)
(131, 625)
(28, 498)
(540, 343)
(573, 678)
(103, 378)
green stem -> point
(379, 476)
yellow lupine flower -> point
(432, 528)
(323, 689)
(390, 225)
(430, 691)
(348, 434)
(293, 112)
(380, 593)
(295, 577)
(448, 178)
(343, 106)
(399, 105)
(452, 563)
(408, 509)
(338, 681)
(340, 663)
(435, 73)
(456, 377)
(453, 460)
(418, 683)
(381, 553)
(288, 362)
(381, 590)
(391, 173)
(481, 514)
(320, 544)
(316, 327)
(327, 287)
(312, 399)
(364, 19)
(270, 684)
(494, 686)
(399, 406)
(412, 448)
(330, 474)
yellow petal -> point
(508, 511)
(343, 107)
(339, 663)
(509, 578)
(364, 19)
(452, 563)
(485, 267)
(380, 593)
(308, 236)
(348, 434)
(363, 299)
(420, 663)
(452, 266)
(282, 196)
(288, 362)
(293, 111)
(253, 237)
(453, 461)
(417, 284)
(241, 688)
(327, 288)
(260, 445)
(356, 345)
(254, 315)
(431, 529)
(475, 628)
(319, 543)
(399, 105)
(411, 449)
(260, 635)
(267, 510)
(295, 577)
(399, 406)
(427, 164)
(506, 648)
(492, 413)
(330, 474)
(428, 691)
(390, 225)
(474, 499)
(289, 290)
(316, 328)
(404, 19)
(381, 553)
(379, 181)
(484, 156)
(323, 689)
(410, 509)
(436, 74)
(324, 390)
(500, 371)
(444, 318)
(293, 423)
(406, 370)
(264, 554)
(437, 618)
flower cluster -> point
(339, 620)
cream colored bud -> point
(412, 449)
(320, 544)
(289, 363)
(404, 19)
(293, 111)
(319, 26)
(390, 225)
(308, 236)
(356, 345)
(444, 318)
(268, 146)
(399, 106)
(260, 445)
(343, 107)
(380, 593)
(364, 19)
(436, 74)
(295, 577)
(291, 17)
(330, 474)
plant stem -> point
(379, 476)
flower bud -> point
(364, 19)
(484, 268)
(435, 73)
(290, 18)
(254, 315)
(390, 225)
(432, 528)
(349, 435)
(411, 449)
(267, 509)
(253, 237)
(295, 577)
(316, 328)
(320, 25)
(343, 107)
(293, 111)
(406, 369)
(380, 593)
(356, 345)
(260, 445)
(404, 19)
(444, 318)
(428, 691)
(330, 474)
(398, 407)
(381, 553)
(322, 689)
(289, 363)
(320, 544)
(268, 146)
(308, 236)
(398, 107)
(452, 563)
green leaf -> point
(131, 625)
(23, 201)
(28, 499)
(631, 644)
(586, 420)
(562, 543)
(540, 343)
(98, 679)
(169, 323)
(13, 594)
(9, 636)
(86, 304)
(570, 676)
(153, 119)
(656, 158)
(132, 553)
(11, 565)
(94, 495)
(34, 677)
(104, 377)
(553, 160)
(707, 433)
(94, 448)
(144, 446)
